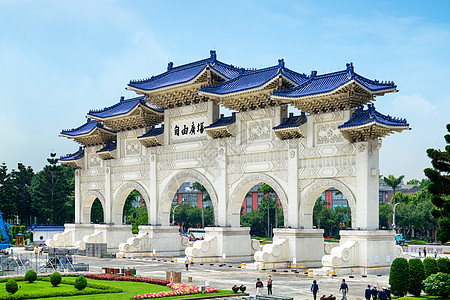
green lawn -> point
(418, 298)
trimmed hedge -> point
(416, 276)
(55, 279)
(80, 283)
(437, 285)
(443, 265)
(430, 266)
(11, 287)
(30, 276)
(399, 277)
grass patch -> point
(416, 298)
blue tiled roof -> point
(370, 115)
(318, 84)
(154, 131)
(250, 79)
(74, 156)
(86, 128)
(123, 107)
(292, 121)
(223, 121)
(45, 228)
(110, 146)
(185, 73)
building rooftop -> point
(371, 116)
(124, 107)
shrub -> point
(55, 279)
(80, 283)
(399, 277)
(437, 285)
(11, 286)
(443, 265)
(22, 229)
(30, 276)
(416, 276)
(430, 266)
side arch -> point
(314, 191)
(86, 205)
(172, 187)
(121, 196)
(241, 190)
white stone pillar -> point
(222, 187)
(108, 197)
(367, 164)
(77, 197)
(293, 192)
(153, 194)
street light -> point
(173, 213)
(393, 216)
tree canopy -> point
(439, 187)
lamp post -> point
(173, 213)
(393, 217)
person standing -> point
(186, 263)
(382, 294)
(344, 289)
(259, 287)
(388, 292)
(368, 293)
(424, 252)
(419, 253)
(314, 289)
(269, 285)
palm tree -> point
(393, 183)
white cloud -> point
(413, 104)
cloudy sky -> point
(59, 59)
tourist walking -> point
(259, 287)
(344, 289)
(269, 285)
(388, 292)
(368, 293)
(314, 289)
(374, 292)
(186, 263)
(424, 252)
(382, 294)
(419, 253)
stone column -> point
(293, 192)
(222, 187)
(77, 197)
(153, 194)
(108, 196)
(367, 162)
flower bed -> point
(178, 290)
(114, 277)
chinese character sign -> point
(188, 129)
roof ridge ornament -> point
(213, 55)
(281, 63)
(313, 74)
(170, 66)
(350, 70)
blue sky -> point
(59, 59)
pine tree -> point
(7, 205)
(21, 181)
(440, 188)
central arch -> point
(172, 187)
(121, 197)
(241, 190)
(86, 205)
(314, 191)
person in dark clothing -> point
(269, 285)
(259, 287)
(382, 294)
(368, 293)
(388, 292)
(424, 252)
(374, 292)
(314, 289)
(344, 289)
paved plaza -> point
(285, 284)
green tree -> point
(7, 204)
(97, 214)
(393, 183)
(21, 181)
(52, 191)
(439, 187)
(385, 215)
(437, 285)
(319, 209)
(416, 276)
(399, 277)
(205, 197)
